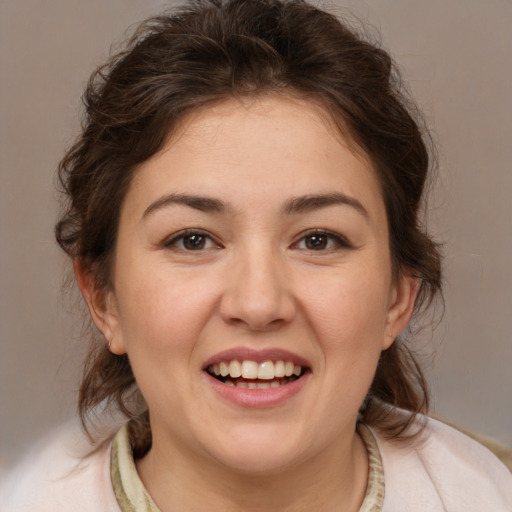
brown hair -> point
(211, 50)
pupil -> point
(194, 242)
(316, 242)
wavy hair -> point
(208, 51)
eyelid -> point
(339, 239)
(171, 240)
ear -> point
(102, 308)
(401, 306)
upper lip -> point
(259, 356)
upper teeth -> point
(267, 370)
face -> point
(253, 288)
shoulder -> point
(59, 474)
(443, 470)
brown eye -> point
(191, 240)
(321, 240)
(194, 242)
(316, 242)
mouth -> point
(250, 374)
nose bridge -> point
(258, 294)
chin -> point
(259, 465)
(258, 451)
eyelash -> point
(329, 236)
(340, 241)
(189, 233)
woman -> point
(243, 220)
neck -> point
(334, 481)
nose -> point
(258, 293)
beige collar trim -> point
(130, 492)
(374, 497)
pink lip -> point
(257, 398)
(248, 354)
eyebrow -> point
(299, 204)
(314, 202)
(204, 204)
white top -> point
(446, 472)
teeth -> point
(249, 370)
(268, 370)
(240, 383)
(235, 369)
(279, 369)
(224, 369)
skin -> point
(256, 281)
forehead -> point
(255, 148)
(243, 120)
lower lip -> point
(257, 398)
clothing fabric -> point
(442, 471)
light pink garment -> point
(448, 472)
(54, 477)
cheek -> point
(348, 317)
(162, 323)
(351, 307)
(162, 318)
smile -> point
(249, 374)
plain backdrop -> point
(456, 57)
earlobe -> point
(401, 307)
(102, 308)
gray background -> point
(456, 55)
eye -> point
(191, 240)
(320, 240)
